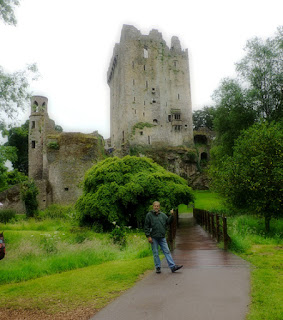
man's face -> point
(156, 206)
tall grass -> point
(38, 248)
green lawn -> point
(90, 287)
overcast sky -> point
(72, 42)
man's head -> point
(156, 206)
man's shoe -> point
(175, 268)
(158, 270)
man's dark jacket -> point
(156, 223)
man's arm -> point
(147, 226)
(170, 218)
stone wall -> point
(149, 83)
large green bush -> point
(122, 190)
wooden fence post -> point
(225, 234)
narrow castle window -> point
(153, 90)
(141, 133)
(153, 101)
(144, 103)
(155, 121)
(169, 117)
(178, 96)
(177, 116)
(133, 64)
(144, 67)
(33, 124)
(33, 144)
(143, 113)
(145, 53)
(148, 139)
(133, 81)
(146, 84)
(66, 189)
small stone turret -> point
(38, 119)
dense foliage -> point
(252, 177)
(255, 95)
(29, 191)
(7, 8)
(203, 118)
(122, 191)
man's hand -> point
(150, 240)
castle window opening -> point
(133, 81)
(177, 128)
(177, 116)
(144, 103)
(66, 189)
(134, 99)
(186, 126)
(141, 133)
(178, 96)
(33, 144)
(145, 53)
(153, 101)
(175, 63)
(169, 117)
(148, 139)
(33, 124)
(143, 114)
(43, 104)
(133, 64)
(144, 67)
(155, 121)
(153, 90)
(35, 106)
(146, 84)
(123, 136)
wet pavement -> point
(213, 284)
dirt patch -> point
(22, 314)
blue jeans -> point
(164, 247)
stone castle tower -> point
(58, 160)
(150, 95)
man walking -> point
(155, 230)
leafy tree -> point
(122, 190)
(6, 153)
(232, 114)
(262, 71)
(14, 92)
(252, 177)
(256, 95)
(203, 118)
(7, 8)
(18, 138)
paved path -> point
(212, 285)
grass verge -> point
(91, 287)
(266, 282)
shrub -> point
(123, 190)
(6, 215)
(56, 211)
(118, 235)
(29, 191)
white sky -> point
(72, 42)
